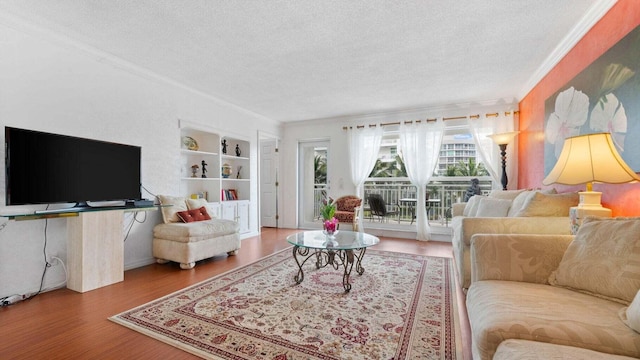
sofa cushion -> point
(530, 350)
(603, 259)
(548, 204)
(631, 315)
(195, 231)
(196, 203)
(490, 207)
(519, 202)
(170, 213)
(472, 205)
(505, 194)
(500, 310)
(193, 215)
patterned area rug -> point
(402, 307)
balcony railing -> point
(446, 189)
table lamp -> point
(502, 139)
(583, 160)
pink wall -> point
(623, 200)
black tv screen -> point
(44, 168)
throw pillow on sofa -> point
(541, 204)
(196, 203)
(471, 208)
(490, 207)
(170, 213)
(506, 194)
(193, 215)
(603, 259)
(523, 198)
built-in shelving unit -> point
(227, 180)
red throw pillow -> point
(194, 215)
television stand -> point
(95, 249)
(95, 244)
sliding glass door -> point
(313, 181)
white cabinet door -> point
(243, 216)
(214, 210)
(237, 211)
(228, 210)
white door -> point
(268, 186)
(313, 181)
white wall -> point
(337, 169)
(51, 84)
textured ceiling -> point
(307, 59)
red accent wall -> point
(623, 200)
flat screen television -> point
(45, 168)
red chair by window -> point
(347, 208)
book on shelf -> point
(228, 194)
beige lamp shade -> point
(588, 158)
(503, 138)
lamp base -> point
(589, 206)
(590, 200)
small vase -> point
(330, 239)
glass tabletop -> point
(346, 240)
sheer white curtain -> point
(420, 144)
(364, 144)
(487, 150)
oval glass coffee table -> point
(344, 249)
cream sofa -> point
(507, 212)
(186, 243)
(573, 298)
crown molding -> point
(595, 13)
(458, 109)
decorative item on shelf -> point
(502, 140)
(226, 170)
(585, 159)
(200, 195)
(238, 174)
(194, 170)
(238, 150)
(224, 146)
(204, 169)
(190, 143)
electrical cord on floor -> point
(9, 300)
(12, 299)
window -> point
(458, 156)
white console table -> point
(95, 244)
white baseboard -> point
(139, 263)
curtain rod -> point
(506, 113)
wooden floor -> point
(63, 324)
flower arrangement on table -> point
(327, 211)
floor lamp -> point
(585, 159)
(502, 140)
